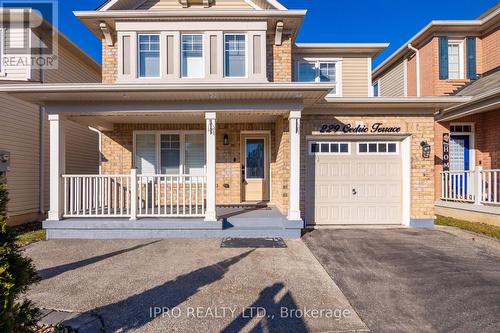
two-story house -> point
(460, 58)
(215, 122)
(24, 134)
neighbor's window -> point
(375, 89)
(235, 55)
(192, 56)
(170, 153)
(317, 71)
(455, 59)
(149, 55)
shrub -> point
(16, 274)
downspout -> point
(417, 56)
(41, 169)
(99, 133)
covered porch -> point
(178, 160)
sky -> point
(327, 21)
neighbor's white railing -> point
(490, 182)
(477, 186)
(171, 195)
(97, 195)
(134, 195)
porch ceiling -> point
(106, 121)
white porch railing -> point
(134, 195)
(477, 186)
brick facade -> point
(109, 62)
(421, 128)
(490, 51)
(486, 142)
(117, 149)
(279, 59)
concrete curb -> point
(492, 244)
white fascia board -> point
(99, 87)
(396, 100)
(341, 45)
(188, 13)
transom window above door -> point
(170, 153)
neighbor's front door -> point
(255, 171)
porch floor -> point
(234, 221)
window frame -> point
(461, 59)
(224, 54)
(182, 149)
(160, 56)
(203, 66)
(349, 148)
(317, 63)
(397, 152)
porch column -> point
(57, 166)
(294, 184)
(210, 120)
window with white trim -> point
(378, 148)
(192, 56)
(329, 148)
(455, 60)
(317, 71)
(461, 128)
(149, 56)
(170, 153)
(235, 55)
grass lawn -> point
(480, 228)
(29, 233)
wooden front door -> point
(255, 167)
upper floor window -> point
(455, 60)
(192, 56)
(375, 89)
(235, 55)
(318, 71)
(149, 55)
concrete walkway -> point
(414, 280)
(190, 286)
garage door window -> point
(388, 148)
(329, 148)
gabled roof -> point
(489, 19)
(139, 4)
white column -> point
(294, 184)
(133, 194)
(478, 184)
(210, 120)
(57, 167)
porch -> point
(242, 221)
(471, 195)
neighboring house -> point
(24, 126)
(215, 122)
(460, 58)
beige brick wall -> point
(109, 62)
(279, 59)
(117, 148)
(421, 128)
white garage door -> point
(354, 183)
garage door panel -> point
(375, 179)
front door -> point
(255, 168)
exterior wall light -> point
(426, 149)
(226, 139)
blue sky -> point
(391, 21)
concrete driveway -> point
(190, 286)
(413, 280)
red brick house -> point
(460, 58)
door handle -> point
(354, 192)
